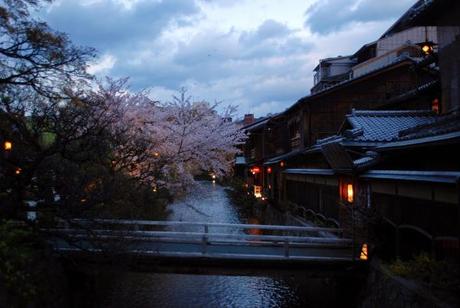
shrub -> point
(439, 274)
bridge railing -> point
(204, 234)
(145, 224)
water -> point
(209, 203)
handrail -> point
(136, 232)
(203, 224)
(271, 238)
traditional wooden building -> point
(378, 138)
(384, 164)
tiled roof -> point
(279, 158)
(411, 175)
(384, 126)
(441, 125)
(445, 128)
(257, 124)
(310, 171)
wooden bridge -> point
(223, 244)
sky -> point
(258, 55)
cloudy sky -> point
(256, 54)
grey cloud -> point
(260, 68)
(269, 29)
(106, 24)
(329, 16)
(223, 66)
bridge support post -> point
(286, 248)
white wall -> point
(413, 35)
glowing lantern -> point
(350, 193)
(7, 145)
(257, 191)
(255, 170)
(364, 252)
(282, 164)
(269, 170)
(427, 48)
(18, 171)
(435, 105)
(347, 191)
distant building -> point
(331, 71)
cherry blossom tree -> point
(193, 137)
(167, 144)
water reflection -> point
(173, 290)
(254, 231)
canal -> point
(209, 203)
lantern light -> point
(269, 170)
(350, 193)
(7, 145)
(364, 252)
(347, 191)
(427, 47)
(257, 191)
(18, 171)
(255, 170)
(282, 164)
(435, 105)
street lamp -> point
(427, 47)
